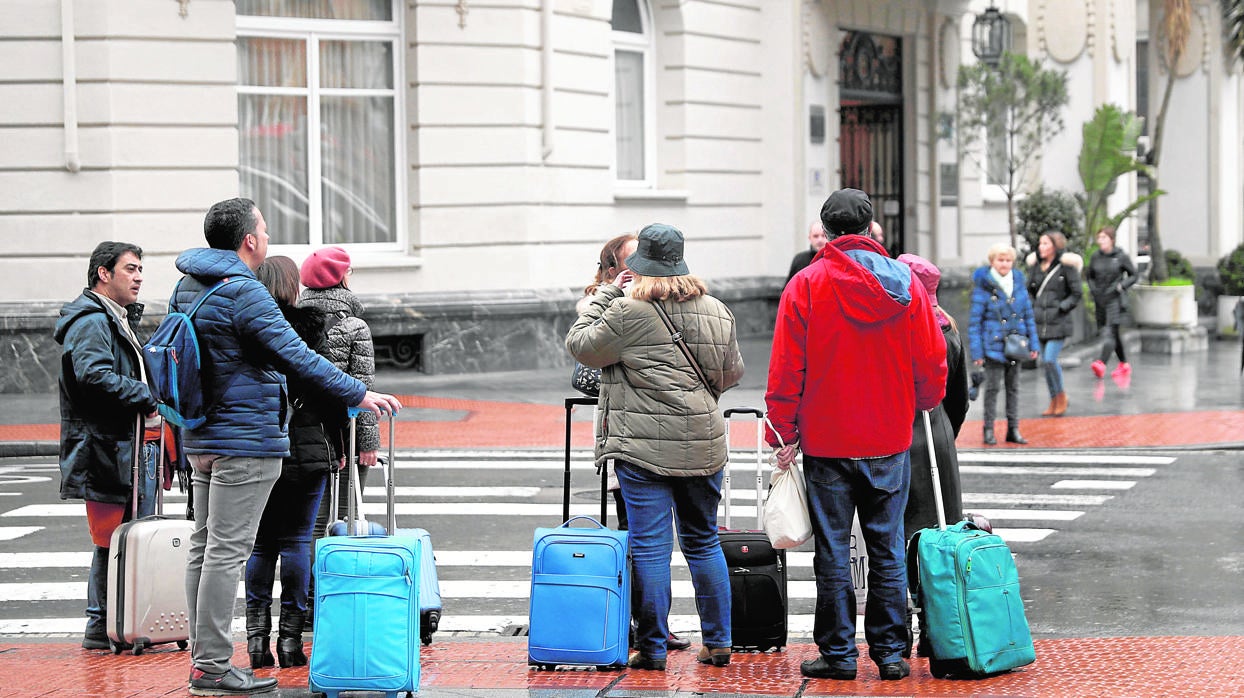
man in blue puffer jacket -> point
(247, 348)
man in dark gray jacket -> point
(247, 347)
(102, 393)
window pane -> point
(629, 120)
(273, 163)
(626, 16)
(266, 62)
(363, 64)
(358, 182)
(318, 9)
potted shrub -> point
(1170, 302)
(1231, 274)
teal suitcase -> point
(966, 582)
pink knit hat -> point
(325, 268)
(927, 273)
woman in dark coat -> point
(945, 420)
(1110, 274)
(1054, 285)
(285, 529)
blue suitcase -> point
(430, 607)
(366, 628)
(582, 575)
(966, 581)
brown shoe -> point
(717, 656)
(1060, 407)
(1049, 411)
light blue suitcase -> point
(582, 575)
(366, 627)
(430, 607)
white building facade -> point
(465, 152)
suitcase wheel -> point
(426, 638)
(182, 644)
(139, 646)
(117, 648)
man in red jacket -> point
(856, 351)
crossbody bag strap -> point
(678, 340)
(1046, 280)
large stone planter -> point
(1164, 306)
(1228, 316)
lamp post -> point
(991, 36)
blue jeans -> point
(285, 533)
(877, 488)
(652, 503)
(1050, 349)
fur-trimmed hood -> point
(1068, 259)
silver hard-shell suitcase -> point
(146, 573)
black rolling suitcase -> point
(758, 604)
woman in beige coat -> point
(661, 425)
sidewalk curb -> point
(25, 449)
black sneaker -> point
(234, 682)
(820, 669)
(894, 670)
(96, 642)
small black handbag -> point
(1015, 348)
(586, 380)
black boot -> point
(1012, 435)
(258, 630)
(289, 640)
(989, 439)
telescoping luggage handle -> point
(354, 487)
(937, 480)
(760, 443)
(571, 403)
(136, 466)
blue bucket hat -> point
(659, 252)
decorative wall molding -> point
(949, 50)
(1066, 29)
(1123, 29)
(817, 54)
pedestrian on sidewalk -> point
(1054, 285)
(611, 262)
(816, 240)
(1110, 274)
(856, 351)
(248, 348)
(1000, 307)
(662, 428)
(315, 447)
(326, 276)
(103, 390)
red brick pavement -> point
(1067, 668)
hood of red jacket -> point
(868, 285)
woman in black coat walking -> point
(285, 528)
(1054, 284)
(1110, 274)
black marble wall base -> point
(436, 333)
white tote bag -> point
(786, 519)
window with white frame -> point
(632, 57)
(318, 111)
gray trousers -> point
(230, 493)
(994, 374)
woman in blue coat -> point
(1000, 307)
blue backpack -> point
(173, 364)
